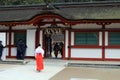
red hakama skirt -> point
(39, 62)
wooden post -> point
(9, 47)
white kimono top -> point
(39, 50)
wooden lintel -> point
(103, 23)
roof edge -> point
(97, 3)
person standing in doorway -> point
(1, 49)
(61, 48)
(56, 49)
(39, 52)
(21, 49)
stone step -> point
(93, 65)
(14, 62)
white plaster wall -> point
(112, 53)
(7, 38)
(86, 53)
(3, 27)
(100, 38)
(41, 37)
(3, 38)
(86, 26)
(66, 43)
(14, 51)
(5, 51)
(113, 25)
(12, 37)
(30, 42)
(22, 27)
(106, 38)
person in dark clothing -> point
(61, 48)
(56, 49)
(1, 49)
(21, 49)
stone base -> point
(14, 62)
(93, 65)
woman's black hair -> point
(39, 44)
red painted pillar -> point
(9, 47)
(63, 56)
(69, 44)
(103, 42)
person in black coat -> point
(61, 48)
(56, 49)
(21, 49)
(1, 49)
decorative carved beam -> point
(103, 23)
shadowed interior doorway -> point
(50, 41)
